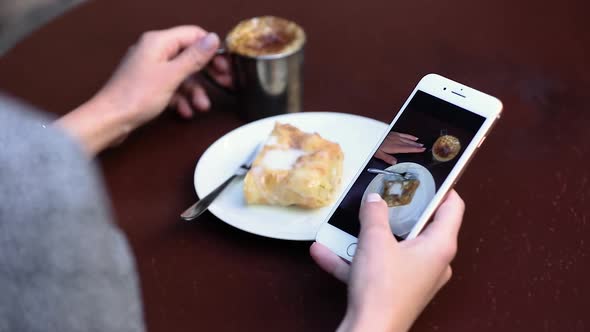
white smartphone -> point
(451, 120)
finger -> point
(220, 71)
(448, 217)
(375, 230)
(410, 142)
(194, 57)
(188, 86)
(200, 99)
(168, 43)
(183, 107)
(198, 95)
(385, 157)
(221, 64)
(223, 79)
(443, 231)
(408, 136)
(442, 280)
(394, 140)
(445, 277)
(402, 149)
(330, 262)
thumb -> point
(196, 56)
(375, 229)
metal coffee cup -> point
(266, 55)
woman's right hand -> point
(191, 95)
(157, 72)
(390, 283)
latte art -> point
(446, 148)
(264, 36)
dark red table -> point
(523, 262)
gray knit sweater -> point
(64, 266)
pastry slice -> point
(399, 192)
(294, 168)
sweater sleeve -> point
(64, 266)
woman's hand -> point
(390, 283)
(191, 96)
(398, 143)
(157, 72)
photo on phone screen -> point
(444, 130)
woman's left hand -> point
(398, 143)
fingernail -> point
(373, 197)
(208, 43)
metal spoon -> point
(405, 175)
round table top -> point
(523, 259)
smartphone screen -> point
(444, 130)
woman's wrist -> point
(375, 320)
(97, 124)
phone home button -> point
(351, 249)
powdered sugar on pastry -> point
(294, 168)
(279, 159)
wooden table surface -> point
(523, 261)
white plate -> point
(356, 135)
(403, 218)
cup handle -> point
(210, 80)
